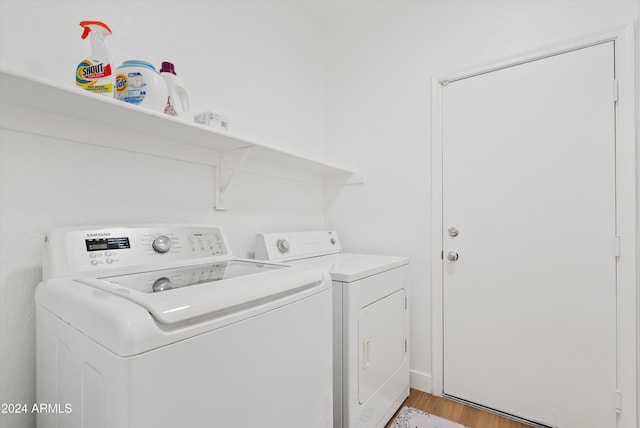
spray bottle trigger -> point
(101, 28)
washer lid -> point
(349, 267)
(183, 293)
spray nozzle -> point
(99, 28)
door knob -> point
(453, 232)
(452, 256)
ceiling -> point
(331, 11)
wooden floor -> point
(457, 412)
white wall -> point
(363, 85)
(638, 180)
(380, 65)
(255, 62)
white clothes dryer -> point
(160, 326)
(370, 323)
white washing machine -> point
(370, 323)
(161, 327)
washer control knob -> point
(283, 246)
(161, 244)
(162, 284)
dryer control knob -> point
(283, 246)
(161, 244)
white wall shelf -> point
(38, 94)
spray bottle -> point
(177, 91)
(94, 73)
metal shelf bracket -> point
(222, 183)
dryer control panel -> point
(70, 250)
(287, 246)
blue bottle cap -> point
(138, 63)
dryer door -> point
(382, 342)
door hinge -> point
(616, 246)
(442, 255)
(405, 303)
(615, 91)
(405, 346)
(618, 401)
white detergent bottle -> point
(177, 92)
(95, 72)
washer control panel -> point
(286, 246)
(106, 247)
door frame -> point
(627, 210)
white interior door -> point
(529, 184)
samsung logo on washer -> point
(98, 234)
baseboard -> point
(420, 381)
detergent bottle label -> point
(131, 87)
(89, 75)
